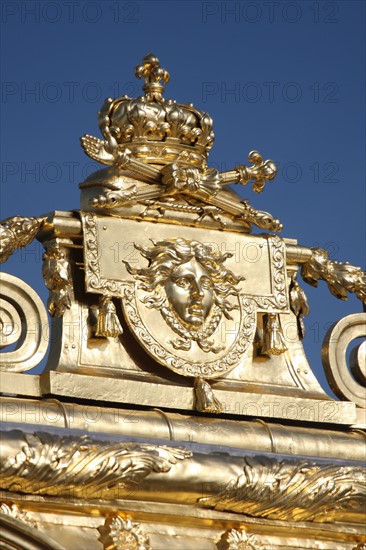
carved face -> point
(190, 292)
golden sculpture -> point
(340, 276)
(241, 540)
(23, 322)
(57, 278)
(16, 233)
(303, 491)
(188, 283)
(122, 534)
(177, 408)
(82, 464)
(108, 324)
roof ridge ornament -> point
(198, 294)
(165, 144)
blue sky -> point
(285, 78)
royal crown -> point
(157, 150)
(157, 130)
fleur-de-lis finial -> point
(153, 74)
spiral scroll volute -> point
(347, 383)
(23, 325)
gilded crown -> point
(157, 150)
(157, 130)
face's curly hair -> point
(166, 256)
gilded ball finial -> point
(153, 75)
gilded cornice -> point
(262, 486)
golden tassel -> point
(107, 323)
(273, 340)
(205, 399)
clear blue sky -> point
(286, 78)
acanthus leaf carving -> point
(81, 467)
(302, 491)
